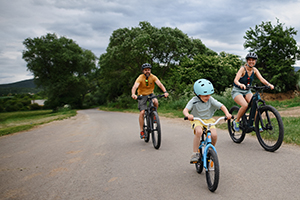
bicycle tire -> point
(156, 131)
(236, 137)
(146, 128)
(272, 137)
(213, 170)
(199, 164)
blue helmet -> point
(203, 87)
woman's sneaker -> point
(236, 126)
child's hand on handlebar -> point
(190, 117)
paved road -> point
(98, 155)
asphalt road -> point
(98, 155)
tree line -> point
(72, 75)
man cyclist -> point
(145, 84)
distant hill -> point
(21, 87)
(21, 84)
(297, 69)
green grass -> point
(11, 122)
(173, 109)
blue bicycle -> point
(208, 156)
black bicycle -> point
(151, 121)
(268, 123)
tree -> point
(219, 69)
(277, 51)
(61, 67)
(128, 49)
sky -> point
(219, 24)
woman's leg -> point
(243, 102)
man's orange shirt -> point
(143, 88)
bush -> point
(35, 106)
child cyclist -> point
(203, 105)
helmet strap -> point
(199, 98)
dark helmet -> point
(146, 65)
(251, 55)
(203, 87)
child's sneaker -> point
(236, 126)
(142, 135)
(194, 158)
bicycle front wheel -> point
(272, 133)
(199, 164)
(236, 137)
(146, 128)
(213, 170)
(156, 132)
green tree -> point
(128, 49)
(277, 51)
(61, 67)
(219, 69)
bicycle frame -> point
(206, 143)
(254, 106)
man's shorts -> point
(142, 103)
(237, 91)
(196, 123)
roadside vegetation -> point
(173, 109)
(11, 122)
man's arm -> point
(133, 90)
(162, 87)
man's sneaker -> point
(142, 135)
(154, 119)
(194, 158)
(236, 126)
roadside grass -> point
(174, 110)
(12, 122)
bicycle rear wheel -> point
(156, 132)
(273, 131)
(236, 137)
(146, 128)
(213, 170)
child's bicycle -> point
(208, 156)
(268, 123)
(151, 122)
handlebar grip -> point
(185, 118)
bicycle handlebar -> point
(258, 87)
(151, 97)
(205, 124)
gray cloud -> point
(220, 24)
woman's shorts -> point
(196, 123)
(237, 91)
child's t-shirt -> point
(203, 110)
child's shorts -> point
(196, 123)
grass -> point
(174, 110)
(11, 122)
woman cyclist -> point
(243, 78)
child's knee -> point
(198, 131)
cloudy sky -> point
(219, 24)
